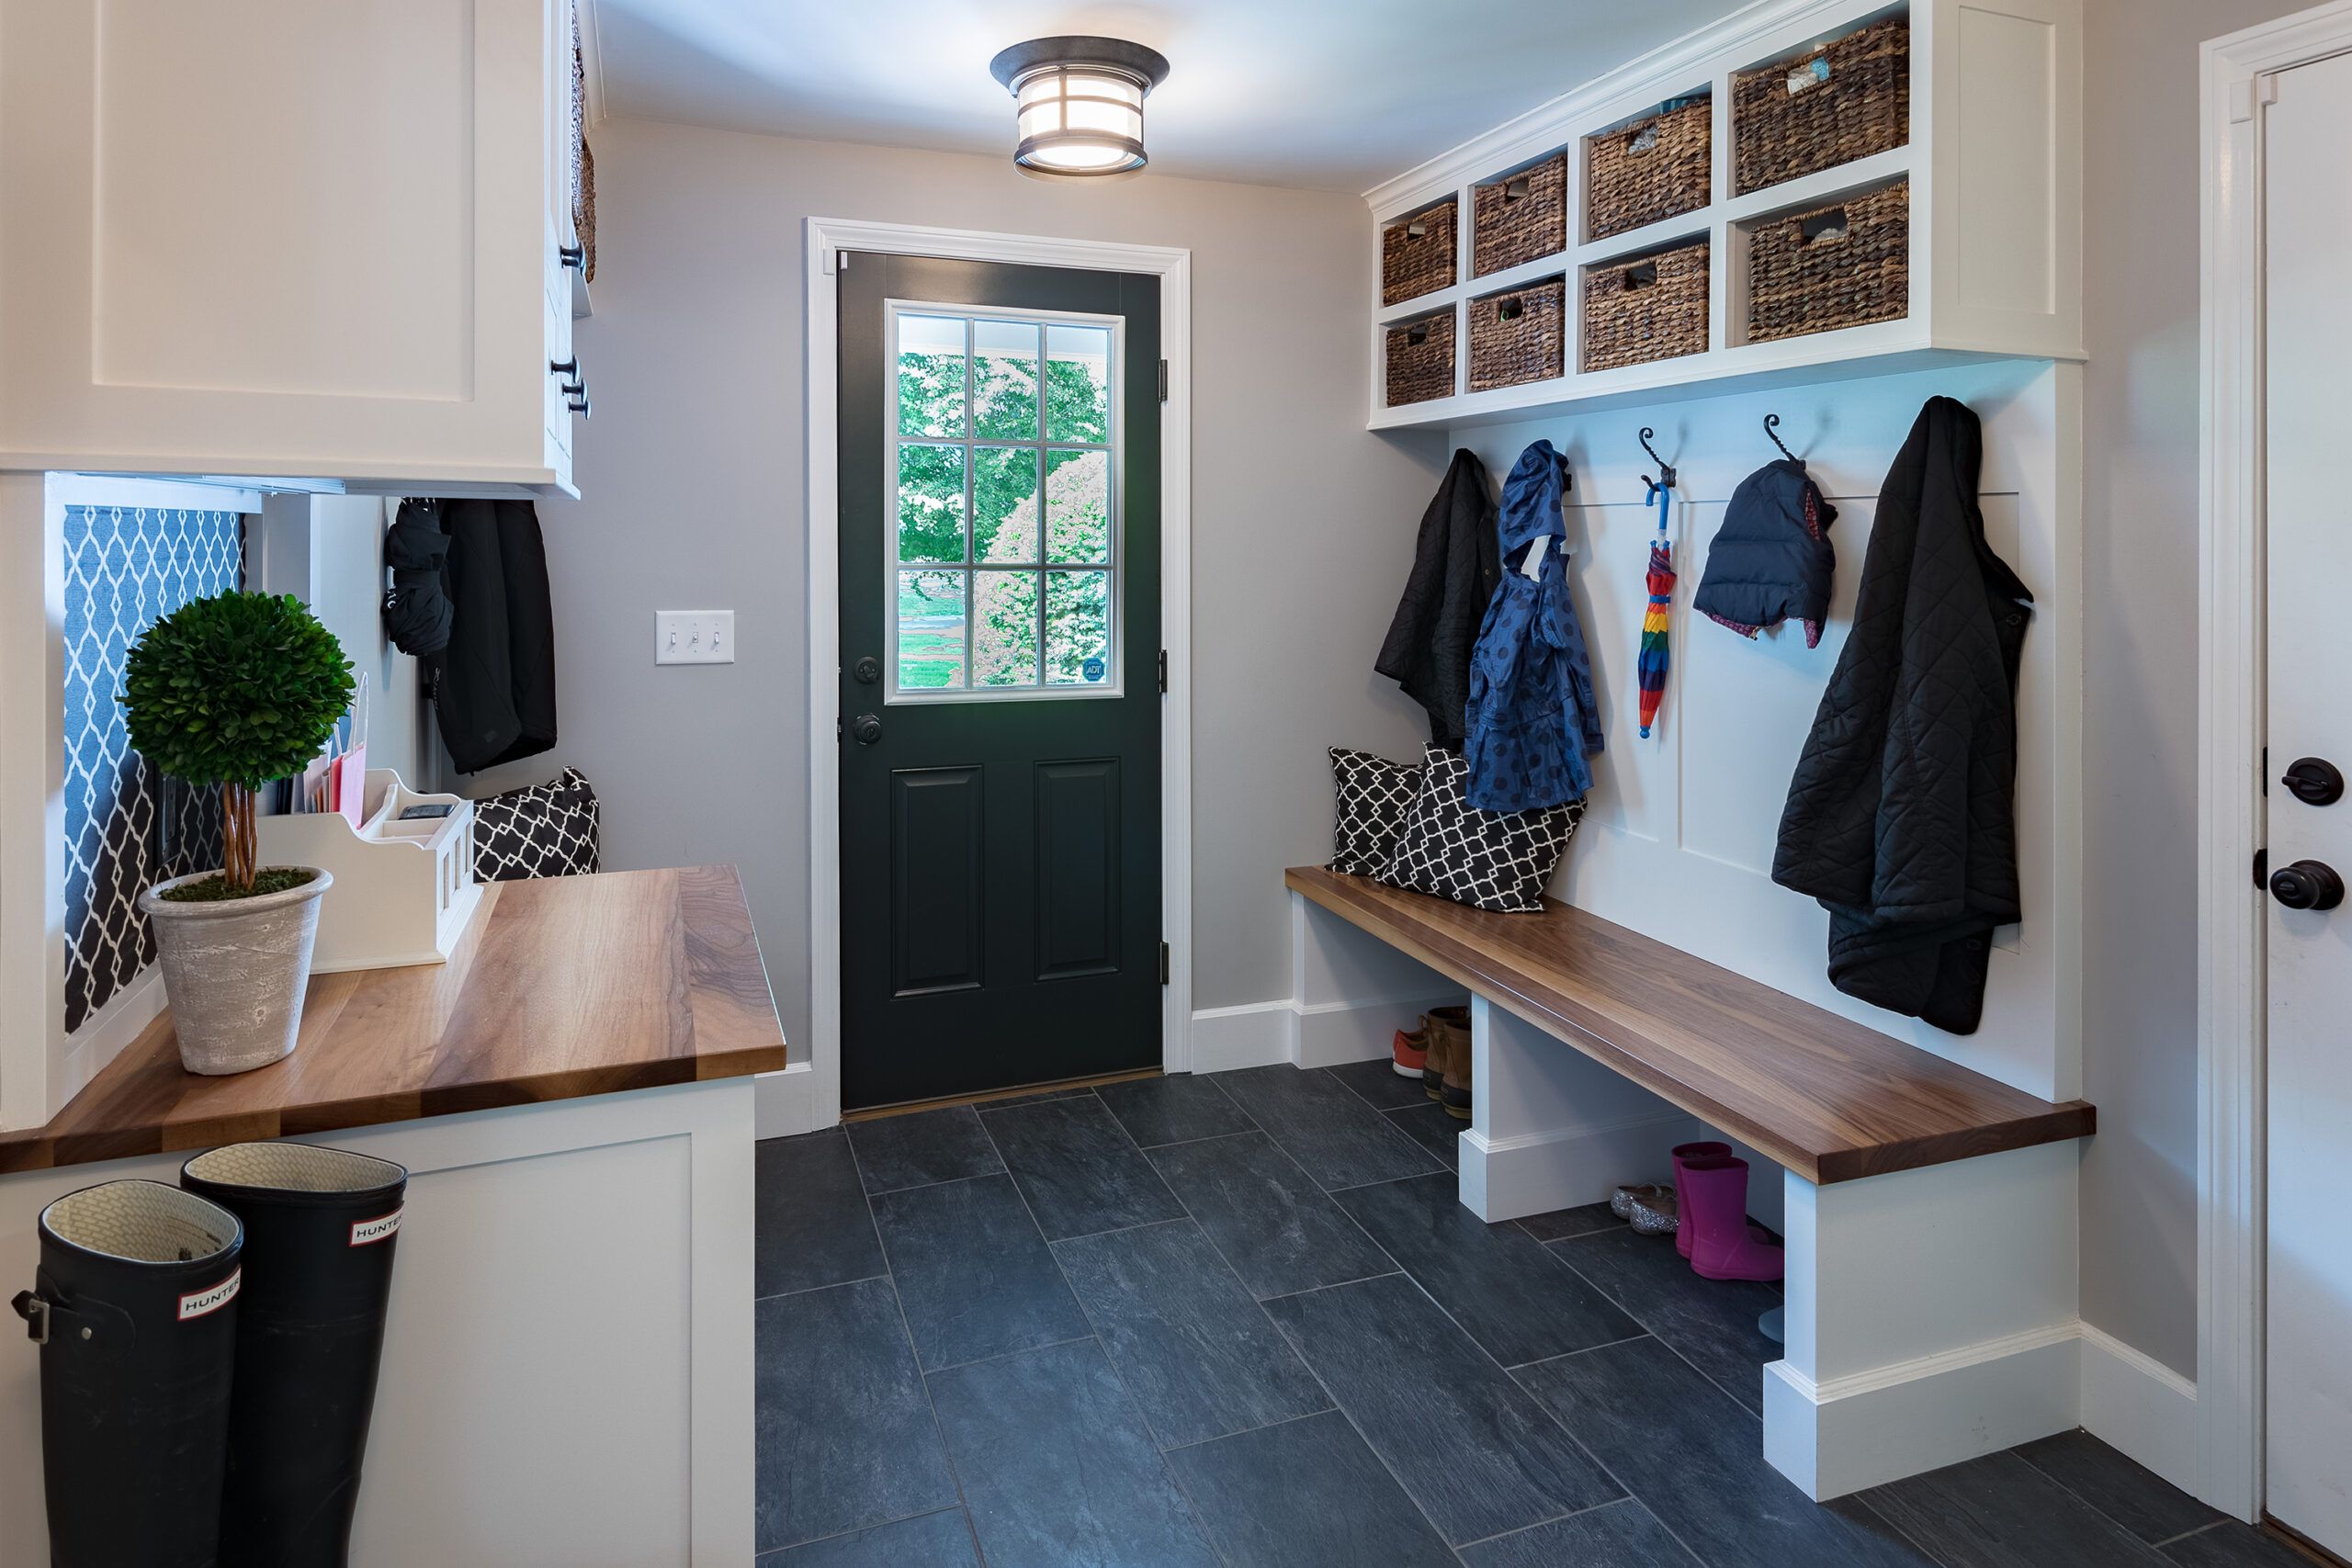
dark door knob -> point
(2315, 781)
(2307, 884)
(867, 729)
(867, 669)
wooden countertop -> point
(1827, 1097)
(560, 988)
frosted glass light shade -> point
(1079, 104)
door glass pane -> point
(1004, 495)
(1077, 628)
(931, 502)
(1078, 384)
(1003, 538)
(930, 629)
(1004, 381)
(931, 375)
(1078, 506)
(1005, 629)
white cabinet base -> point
(568, 1367)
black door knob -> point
(867, 669)
(867, 729)
(2307, 884)
(2315, 781)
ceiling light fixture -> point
(1079, 104)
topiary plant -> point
(235, 690)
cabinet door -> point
(263, 238)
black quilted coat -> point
(1900, 820)
(1456, 563)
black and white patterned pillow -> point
(549, 829)
(1371, 796)
(1489, 860)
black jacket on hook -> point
(1456, 563)
(493, 677)
(1900, 819)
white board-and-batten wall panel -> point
(1678, 838)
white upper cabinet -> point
(1804, 190)
(306, 241)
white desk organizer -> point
(403, 891)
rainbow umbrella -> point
(1651, 666)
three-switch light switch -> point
(694, 636)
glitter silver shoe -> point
(1654, 1214)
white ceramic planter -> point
(235, 971)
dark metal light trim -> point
(1023, 63)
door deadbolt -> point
(867, 669)
(2315, 781)
(865, 729)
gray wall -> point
(328, 551)
(2140, 552)
(693, 484)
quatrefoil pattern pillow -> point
(1371, 796)
(1488, 859)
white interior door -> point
(2308, 403)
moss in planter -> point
(219, 889)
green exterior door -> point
(999, 681)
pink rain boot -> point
(1723, 1245)
(1693, 1151)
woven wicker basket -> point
(1853, 99)
(1417, 255)
(1840, 265)
(1518, 337)
(1520, 218)
(1647, 308)
(1652, 169)
(1420, 360)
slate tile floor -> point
(1241, 1320)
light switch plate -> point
(694, 636)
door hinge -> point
(837, 726)
(1163, 669)
(1163, 380)
(1165, 960)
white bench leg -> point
(1931, 1318)
(1551, 1128)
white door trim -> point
(826, 238)
(2230, 696)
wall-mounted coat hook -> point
(1665, 479)
(1772, 429)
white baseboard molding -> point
(1534, 1173)
(104, 1033)
(1862, 1431)
(2141, 1407)
(1333, 1033)
(783, 1104)
(1310, 1034)
(1258, 1034)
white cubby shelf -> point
(1993, 163)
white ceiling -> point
(1333, 94)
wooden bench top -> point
(1830, 1099)
(560, 989)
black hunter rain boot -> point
(320, 1229)
(135, 1310)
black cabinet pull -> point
(579, 404)
(574, 256)
(564, 367)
